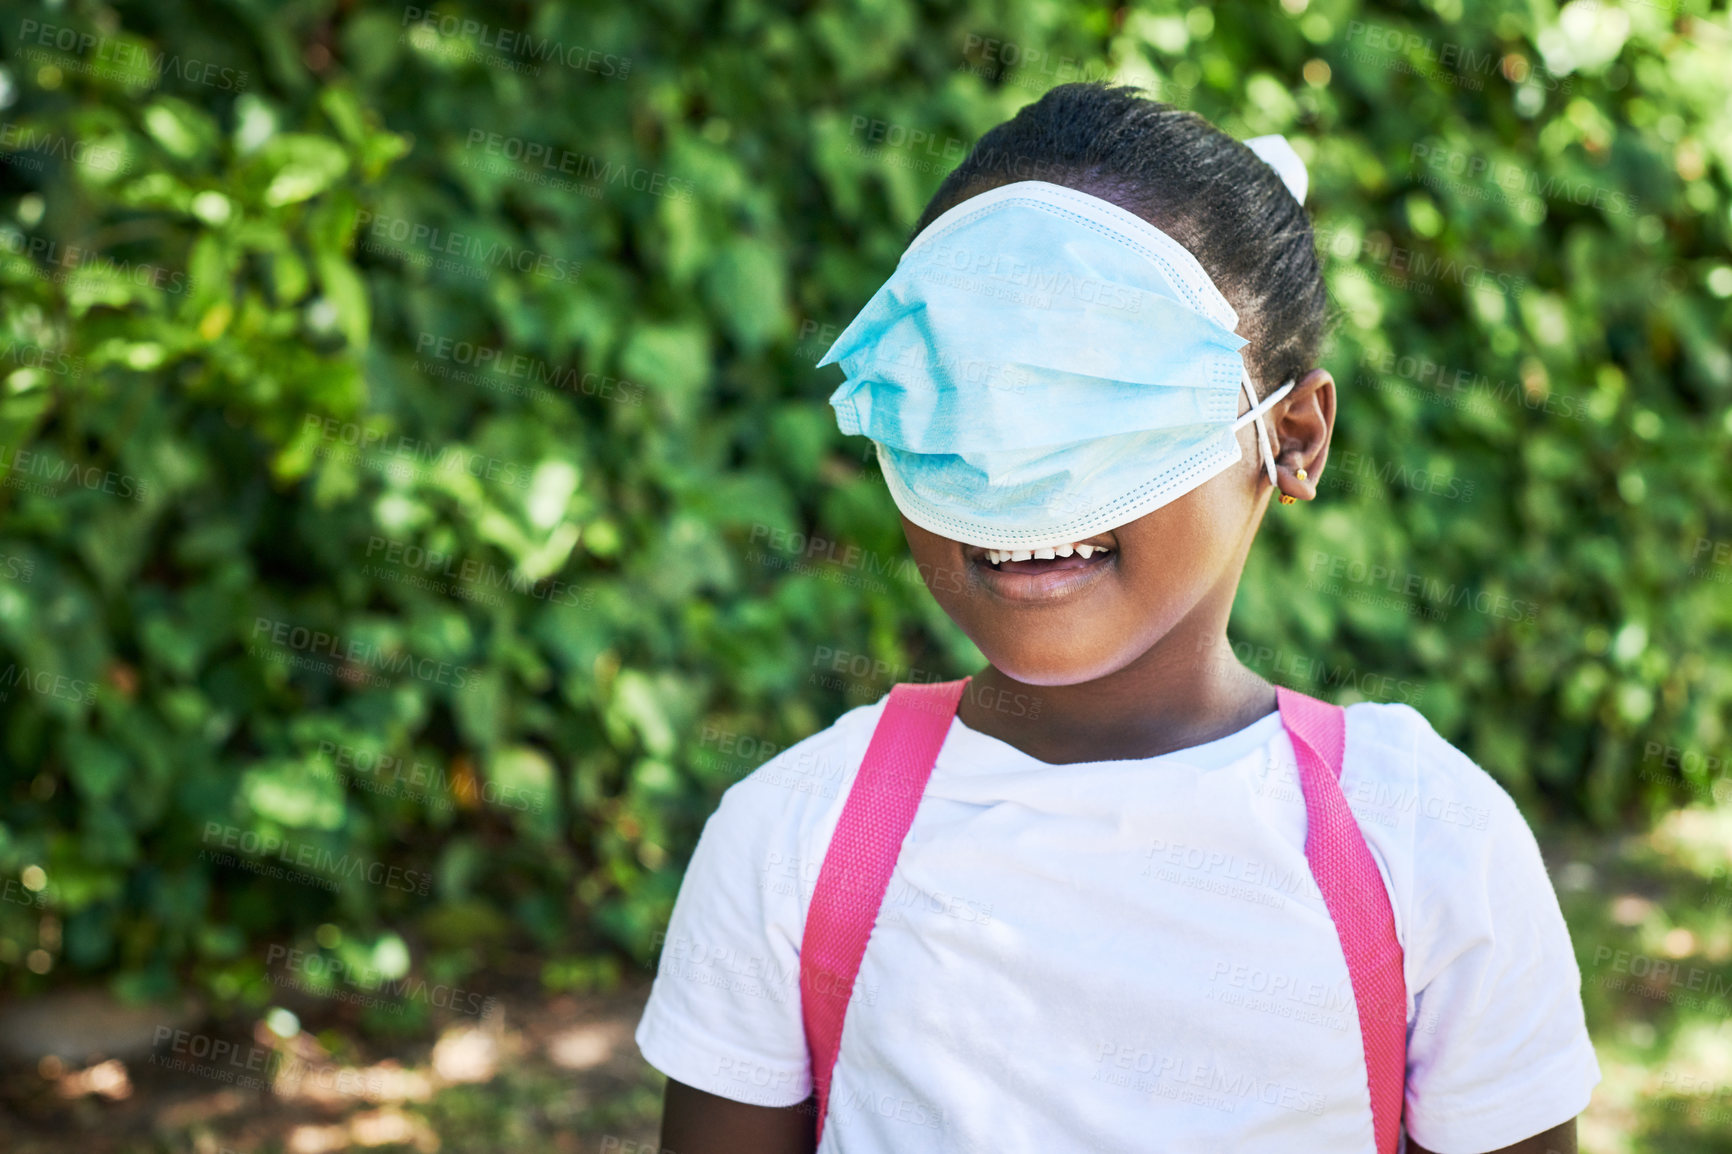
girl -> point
(1127, 910)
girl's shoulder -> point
(1396, 759)
(1449, 838)
(797, 795)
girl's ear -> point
(1307, 417)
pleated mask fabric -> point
(1044, 365)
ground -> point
(557, 1074)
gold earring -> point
(1285, 499)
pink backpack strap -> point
(880, 809)
(862, 855)
(1358, 903)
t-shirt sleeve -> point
(724, 1012)
(1499, 1049)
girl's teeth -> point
(1044, 553)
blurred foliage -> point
(413, 457)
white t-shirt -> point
(1130, 955)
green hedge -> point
(419, 502)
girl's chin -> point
(1041, 669)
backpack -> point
(880, 809)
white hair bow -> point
(1279, 155)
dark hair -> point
(1186, 177)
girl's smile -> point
(1042, 578)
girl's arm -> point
(696, 1122)
(1557, 1140)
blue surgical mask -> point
(1042, 366)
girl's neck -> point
(1183, 692)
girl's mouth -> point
(1042, 574)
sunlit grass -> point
(1649, 915)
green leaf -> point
(348, 296)
(98, 769)
(301, 795)
(301, 167)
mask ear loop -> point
(1258, 408)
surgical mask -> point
(1044, 365)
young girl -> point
(1131, 912)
